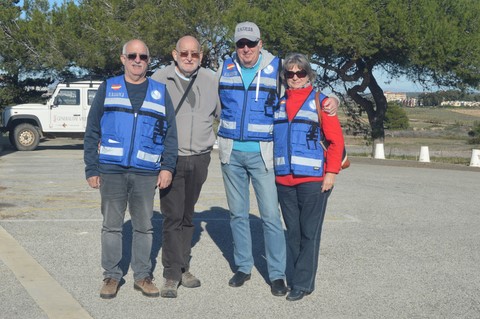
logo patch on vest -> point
(116, 87)
(156, 95)
(312, 105)
(268, 69)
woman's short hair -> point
(301, 61)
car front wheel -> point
(26, 137)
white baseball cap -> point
(247, 30)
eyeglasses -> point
(242, 44)
(300, 74)
(133, 56)
(184, 54)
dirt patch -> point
(468, 112)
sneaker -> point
(189, 280)
(169, 289)
(147, 287)
(109, 288)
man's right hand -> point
(94, 181)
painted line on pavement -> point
(46, 291)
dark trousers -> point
(303, 209)
(177, 204)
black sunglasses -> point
(242, 44)
(133, 56)
(300, 74)
(184, 54)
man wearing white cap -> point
(250, 90)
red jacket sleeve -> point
(333, 134)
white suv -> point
(64, 114)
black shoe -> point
(238, 279)
(278, 288)
(296, 294)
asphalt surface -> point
(400, 240)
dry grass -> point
(444, 131)
(469, 112)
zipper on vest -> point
(133, 138)
(289, 144)
(245, 99)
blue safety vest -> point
(296, 145)
(132, 139)
(247, 115)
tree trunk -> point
(376, 122)
(375, 110)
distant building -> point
(401, 97)
(461, 103)
(395, 96)
(410, 102)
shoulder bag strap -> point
(194, 77)
(319, 108)
(319, 114)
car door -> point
(66, 111)
(90, 95)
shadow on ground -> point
(216, 222)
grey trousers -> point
(116, 191)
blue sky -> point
(397, 85)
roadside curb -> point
(408, 163)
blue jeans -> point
(303, 208)
(116, 191)
(243, 167)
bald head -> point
(188, 40)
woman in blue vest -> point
(304, 177)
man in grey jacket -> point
(194, 94)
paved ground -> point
(400, 240)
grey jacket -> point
(194, 122)
(225, 145)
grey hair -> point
(124, 48)
(301, 61)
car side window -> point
(91, 96)
(68, 97)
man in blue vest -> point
(130, 149)
(249, 93)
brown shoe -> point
(109, 288)
(147, 287)
(189, 280)
(169, 288)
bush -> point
(474, 133)
(396, 118)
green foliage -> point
(474, 133)
(429, 41)
(396, 118)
